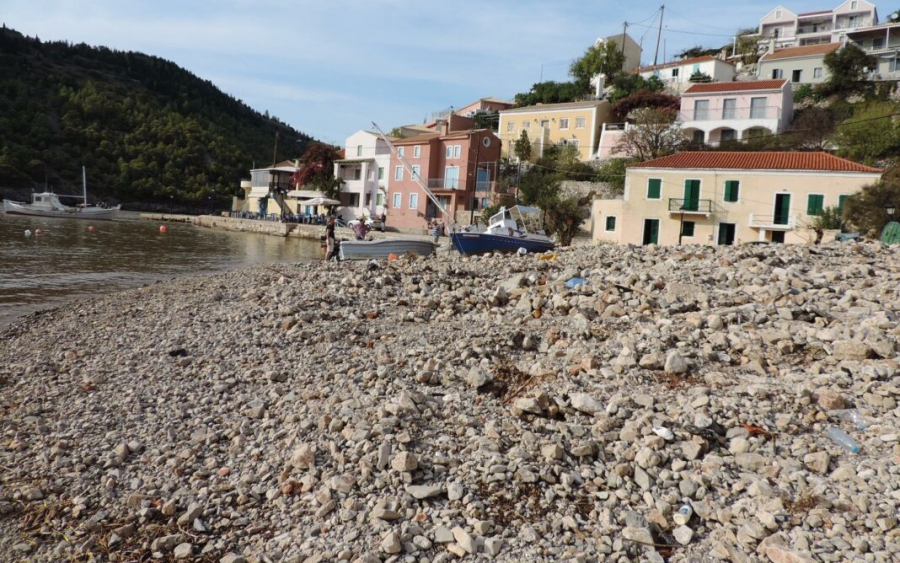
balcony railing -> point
(718, 114)
(693, 206)
(773, 222)
(445, 184)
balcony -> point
(773, 222)
(813, 29)
(691, 207)
(445, 184)
(721, 114)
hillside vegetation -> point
(148, 131)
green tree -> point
(486, 120)
(612, 173)
(644, 99)
(627, 84)
(812, 129)
(562, 217)
(866, 210)
(603, 57)
(522, 147)
(870, 134)
(848, 67)
(548, 92)
(699, 77)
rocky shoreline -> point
(477, 408)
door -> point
(778, 236)
(795, 76)
(451, 178)
(691, 195)
(483, 181)
(726, 233)
(782, 209)
(651, 231)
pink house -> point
(716, 112)
(460, 168)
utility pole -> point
(475, 190)
(662, 11)
(624, 31)
(275, 152)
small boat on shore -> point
(508, 231)
(368, 249)
(47, 204)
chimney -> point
(439, 126)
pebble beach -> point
(664, 405)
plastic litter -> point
(574, 282)
(522, 251)
(842, 439)
(664, 433)
(683, 516)
(854, 417)
(548, 256)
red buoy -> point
(90, 228)
(37, 232)
(163, 229)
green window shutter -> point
(654, 188)
(732, 189)
(687, 229)
(841, 200)
(814, 204)
(610, 223)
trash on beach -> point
(522, 251)
(683, 515)
(27, 232)
(854, 417)
(842, 439)
(574, 282)
(548, 256)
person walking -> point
(329, 238)
(436, 231)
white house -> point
(881, 41)
(800, 65)
(677, 74)
(782, 28)
(629, 47)
(367, 157)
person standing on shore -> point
(329, 238)
(436, 231)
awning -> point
(322, 201)
(259, 192)
(305, 194)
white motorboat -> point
(509, 231)
(47, 204)
(368, 249)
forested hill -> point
(148, 131)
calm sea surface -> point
(67, 261)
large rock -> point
(675, 363)
(850, 350)
(585, 403)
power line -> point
(668, 29)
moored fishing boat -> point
(48, 204)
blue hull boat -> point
(479, 243)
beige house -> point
(575, 124)
(727, 197)
(800, 65)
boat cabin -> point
(518, 220)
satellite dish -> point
(894, 17)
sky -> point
(332, 67)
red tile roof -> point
(814, 161)
(716, 87)
(804, 51)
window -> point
(795, 76)
(352, 199)
(563, 122)
(451, 178)
(895, 64)
(854, 5)
(732, 190)
(817, 72)
(417, 151)
(526, 125)
(654, 188)
(777, 73)
(381, 172)
(729, 107)
(398, 200)
(727, 135)
(814, 204)
(610, 223)
(413, 201)
(687, 229)
(878, 43)
(401, 151)
(511, 126)
(379, 199)
(674, 73)
(841, 200)
(695, 68)
(449, 151)
(701, 110)
(545, 123)
(398, 173)
(777, 14)
(580, 122)
(757, 108)
(698, 137)
(415, 171)
(357, 173)
(358, 150)
(368, 200)
(456, 150)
